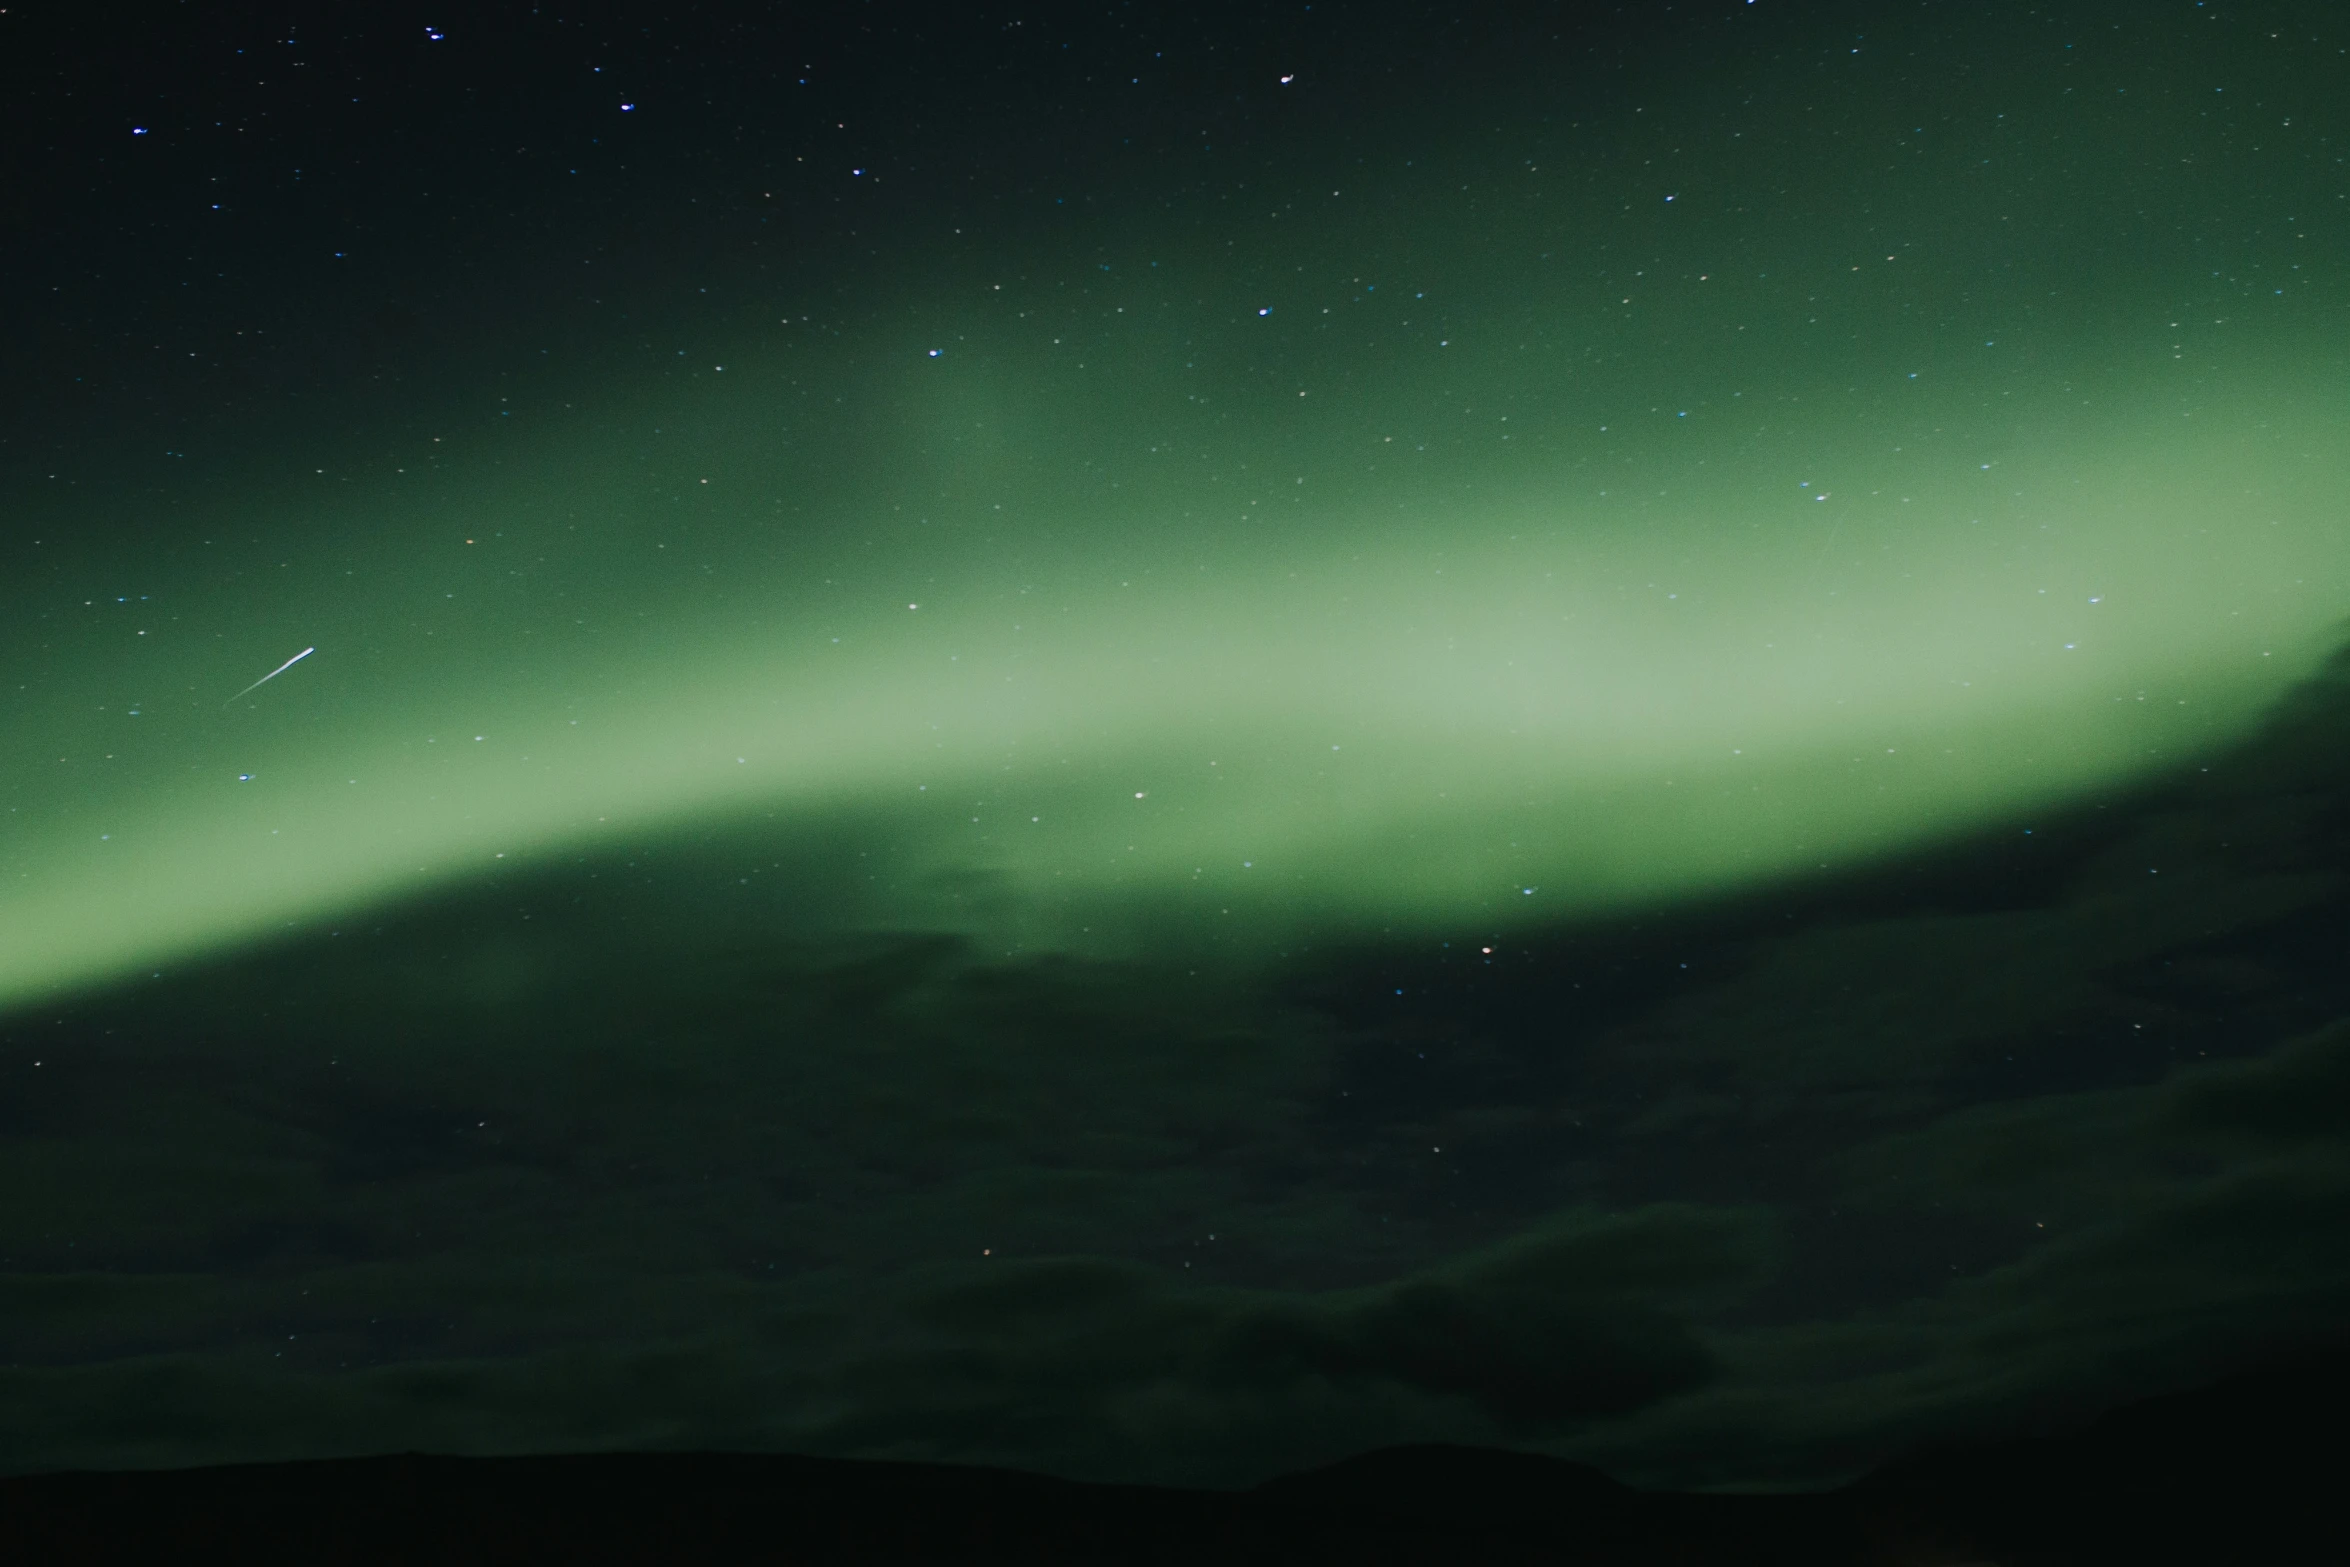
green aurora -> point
(1392, 607)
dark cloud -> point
(1085, 1365)
(2168, 1233)
(1568, 1321)
(1578, 1320)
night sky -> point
(1159, 742)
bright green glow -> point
(1252, 673)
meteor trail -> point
(273, 674)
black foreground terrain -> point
(2247, 1472)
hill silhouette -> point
(2237, 1472)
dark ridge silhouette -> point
(2241, 1473)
